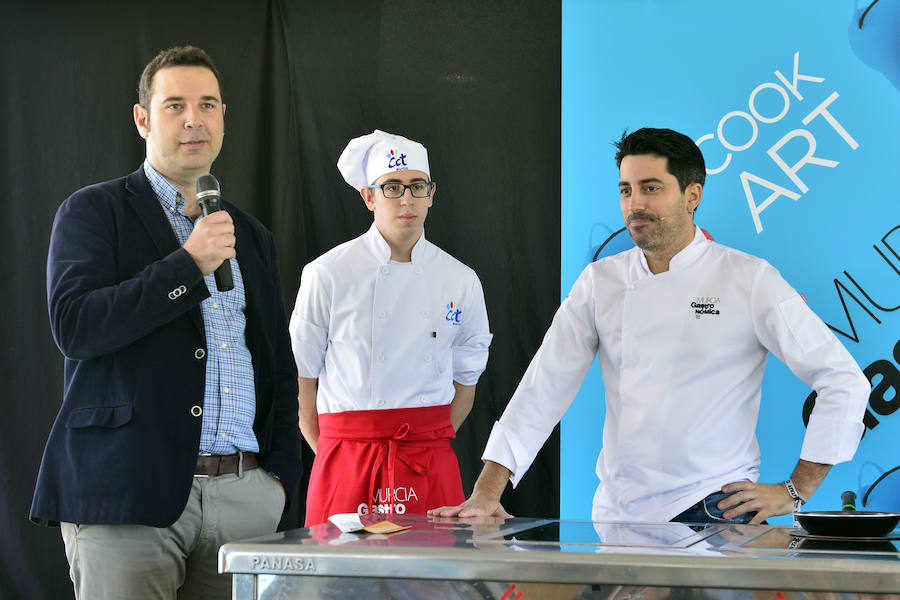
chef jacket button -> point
(380, 358)
(196, 411)
(380, 403)
(385, 270)
(427, 358)
(199, 353)
(630, 286)
(419, 270)
(423, 399)
(426, 314)
(381, 314)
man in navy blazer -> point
(178, 429)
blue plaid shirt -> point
(229, 404)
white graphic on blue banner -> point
(796, 107)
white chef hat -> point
(368, 157)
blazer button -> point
(199, 353)
(177, 292)
(196, 411)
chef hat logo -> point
(396, 161)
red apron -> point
(393, 461)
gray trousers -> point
(180, 561)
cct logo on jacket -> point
(454, 313)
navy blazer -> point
(124, 445)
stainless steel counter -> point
(479, 558)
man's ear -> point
(693, 194)
(367, 194)
(141, 120)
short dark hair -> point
(179, 56)
(685, 161)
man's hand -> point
(485, 498)
(772, 499)
(475, 506)
(212, 241)
(766, 499)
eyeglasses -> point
(394, 189)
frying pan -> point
(848, 522)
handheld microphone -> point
(208, 198)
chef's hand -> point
(766, 499)
(476, 506)
(485, 498)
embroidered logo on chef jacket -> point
(705, 305)
(454, 312)
(396, 161)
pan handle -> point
(848, 501)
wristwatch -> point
(792, 490)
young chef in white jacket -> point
(682, 327)
(390, 334)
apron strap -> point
(390, 453)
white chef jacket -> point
(380, 334)
(682, 355)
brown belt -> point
(224, 464)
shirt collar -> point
(382, 250)
(689, 254)
(165, 190)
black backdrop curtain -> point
(478, 83)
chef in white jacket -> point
(682, 327)
(390, 334)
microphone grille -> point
(207, 183)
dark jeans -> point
(705, 511)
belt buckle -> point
(203, 475)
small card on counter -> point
(350, 522)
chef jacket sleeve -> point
(550, 384)
(470, 347)
(309, 321)
(788, 328)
